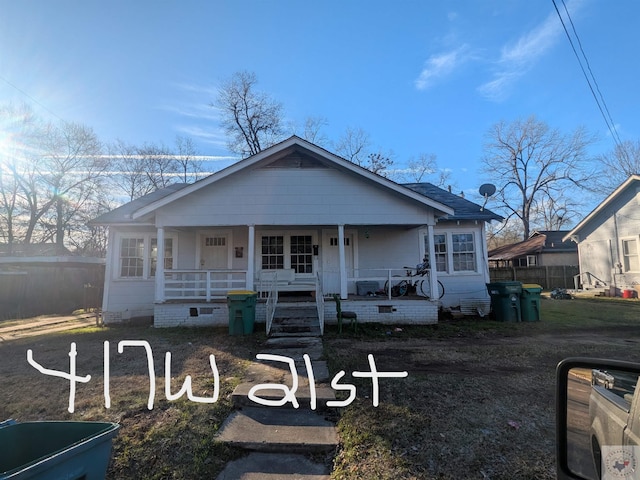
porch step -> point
(295, 321)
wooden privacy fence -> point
(548, 277)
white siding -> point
(279, 196)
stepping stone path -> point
(278, 438)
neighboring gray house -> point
(293, 219)
(609, 240)
(543, 248)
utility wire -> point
(30, 97)
(602, 105)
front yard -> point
(478, 401)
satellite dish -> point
(486, 190)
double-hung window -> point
(131, 257)
(168, 255)
(454, 252)
(464, 255)
(631, 263)
(138, 256)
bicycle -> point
(405, 287)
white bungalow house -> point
(294, 219)
(608, 241)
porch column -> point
(160, 266)
(432, 264)
(343, 263)
(251, 257)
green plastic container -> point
(505, 300)
(242, 311)
(56, 450)
(530, 302)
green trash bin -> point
(530, 302)
(505, 300)
(48, 450)
(242, 311)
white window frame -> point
(146, 257)
(448, 234)
(628, 262)
(286, 248)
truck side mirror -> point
(597, 402)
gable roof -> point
(135, 211)
(463, 208)
(547, 241)
(632, 182)
(278, 151)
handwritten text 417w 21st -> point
(289, 392)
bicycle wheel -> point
(425, 288)
(397, 289)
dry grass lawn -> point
(478, 401)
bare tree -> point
(379, 163)
(354, 145)
(555, 213)
(618, 165)
(160, 165)
(189, 166)
(68, 172)
(528, 161)
(17, 133)
(251, 119)
(128, 170)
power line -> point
(29, 97)
(602, 105)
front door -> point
(331, 260)
(214, 255)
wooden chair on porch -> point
(340, 315)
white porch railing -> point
(202, 284)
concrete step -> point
(267, 429)
(274, 466)
(298, 328)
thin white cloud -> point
(517, 58)
(441, 65)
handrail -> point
(578, 279)
(272, 303)
(320, 303)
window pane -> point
(272, 252)
(301, 250)
(168, 255)
(464, 258)
(131, 257)
(630, 255)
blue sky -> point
(419, 76)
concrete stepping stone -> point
(279, 430)
(274, 466)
